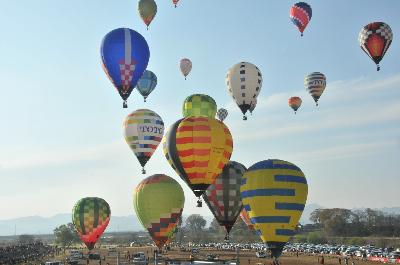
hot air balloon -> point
(147, 11)
(175, 2)
(199, 105)
(186, 67)
(246, 219)
(375, 39)
(124, 54)
(253, 105)
(198, 148)
(223, 196)
(222, 114)
(274, 193)
(144, 130)
(90, 217)
(295, 103)
(244, 81)
(146, 83)
(158, 202)
(315, 83)
(301, 14)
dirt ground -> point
(245, 257)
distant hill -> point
(45, 225)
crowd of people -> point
(23, 253)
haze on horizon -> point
(62, 138)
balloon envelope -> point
(222, 114)
(198, 148)
(315, 84)
(300, 14)
(186, 66)
(274, 193)
(223, 196)
(246, 219)
(147, 83)
(295, 103)
(158, 202)
(375, 39)
(199, 105)
(147, 10)
(244, 82)
(144, 130)
(125, 55)
(90, 217)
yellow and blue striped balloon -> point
(274, 193)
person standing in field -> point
(340, 261)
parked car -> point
(94, 256)
(261, 254)
(53, 263)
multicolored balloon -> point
(295, 103)
(244, 82)
(222, 114)
(144, 130)
(300, 14)
(223, 196)
(147, 11)
(158, 202)
(175, 2)
(246, 219)
(90, 217)
(315, 83)
(198, 148)
(124, 55)
(375, 39)
(186, 67)
(146, 84)
(199, 105)
(274, 193)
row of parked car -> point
(344, 250)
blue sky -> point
(62, 138)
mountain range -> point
(45, 225)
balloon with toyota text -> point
(144, 130)
(315, 84)
(274, 193)
(90, 217)
(124, 55)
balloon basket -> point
(143, 171)
(199, 203)
(125, 104)
(244, 118)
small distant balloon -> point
(146, 84)
(315, 84)
(295, 103)
(222, 114)
(147, 11)
(186, 67)
(375, 39)
(300, 14)
(175, 2)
